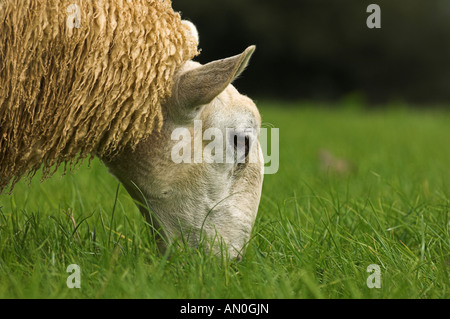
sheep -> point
(194, 200)
(67, 92)
(116, 84)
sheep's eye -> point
(239, 143)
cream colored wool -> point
(67, 92)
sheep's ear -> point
(201, 85)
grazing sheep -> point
(208, 199)
(101, 89)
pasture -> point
(317, 230)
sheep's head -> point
(201, 175)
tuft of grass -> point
(316, 233)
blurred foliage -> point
(323, 49)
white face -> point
(203, 197)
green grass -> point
(315, 235)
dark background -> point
(322, 50)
